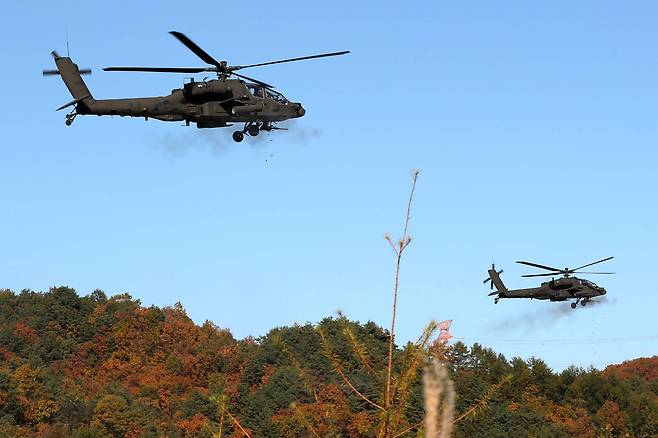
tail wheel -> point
(70, 117)
(238, 136)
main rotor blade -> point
(256, 81)
(549, 274)
(593, 263)
(548, 268)
(323, 55)
(198, 51)
(159, 69)
(597, 273)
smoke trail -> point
(303, 135)
(300, 134)
(546, 317)
(219, 140)
(180, 143)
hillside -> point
(645, 368)
(95, 366)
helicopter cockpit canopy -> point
(588, 283)
(259, 91)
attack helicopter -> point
(561, 289)
(213, 103)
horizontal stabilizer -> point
(73, 102)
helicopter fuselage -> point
(561, 289)
(209, 104)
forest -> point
(99, 366)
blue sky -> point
(534, 126)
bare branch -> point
(414, 178)
(389, 239)
(482, 404)
(237, 423)
(306, 379)
(339, 369)
(408, 429)
(304, 421)
(359, 349)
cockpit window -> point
(588, 283)
(275, 96)
(259, 91)
(255, 90)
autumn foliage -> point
(645, 368)
(95, 366)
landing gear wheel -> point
(573, 305)
(70, 117)
(583, 303)
(238, 136)
(496, 301)
(253, 130)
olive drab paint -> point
(561, 289)
(213, 103)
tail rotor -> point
(489, 279)
(56, 56)
(495, 283)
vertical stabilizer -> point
(71, 76)
(497, 282)
(494, 278)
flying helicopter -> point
(212, 103)
(561, 289)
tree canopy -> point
(99, 366)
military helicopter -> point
(209, 103)
(562, 289)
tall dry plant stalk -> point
(222, 407)
(398, 249)
(439, 400)
(438, 388)
(237, 423)
(395, 391)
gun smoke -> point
(219, 141)
(546, 316)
